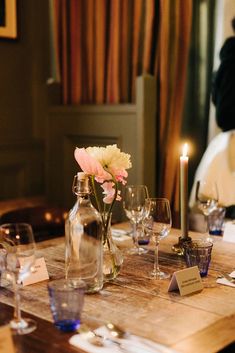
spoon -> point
(116, 331)
(99, 340)
(228, 277)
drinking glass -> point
(157, 223)
(19, 244)
(207, 200)
(66, 303)
(133, 204)
(198, 253)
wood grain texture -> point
(46, 338)
(202, 322)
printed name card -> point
(6, 342)
(229, 232)
(38, 274)
(187, 281)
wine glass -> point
(3, 256)
(157, 224)
(207, 200)
(18, 241)
(133, 204)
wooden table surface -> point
(201, 322)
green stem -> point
(105, 222)
(116, 191)
(112, 256)
(95, 194)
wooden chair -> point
(47, 221)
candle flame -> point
(185, 150)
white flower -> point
(107, 166)
(112, 160)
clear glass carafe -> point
(83, 239)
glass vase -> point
(112, 256)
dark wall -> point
(24, 70)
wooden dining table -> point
(202, 322)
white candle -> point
(184, 192)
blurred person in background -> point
(218, 161)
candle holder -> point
(179, 247)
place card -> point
(6, 341)
(39, 273)
(229, 232)
(187, 281)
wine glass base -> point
(4, 283)
(5, 280)
(209, 238)
(23, 327)
(136, 251)
(142, 251)
(159, 275)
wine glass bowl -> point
(206, 198)
(134, 206)
(157, 224)
(18, 242)
(3, 256)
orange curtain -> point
(103, 45)
(171, 64)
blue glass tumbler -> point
(66, 303)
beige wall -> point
(229, 13)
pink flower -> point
(107, 166)
(109, 191)
(120, 175)
(90, 165)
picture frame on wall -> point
(8, 19)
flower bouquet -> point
(106, 167)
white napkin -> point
(121, 238)
(225, 282)
(229, 232)
(119, 233)
(132, 344)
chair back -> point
(47, 222)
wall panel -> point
(21, 169)
(130, 126)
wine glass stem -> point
(17, 312)
(207, 225)
(208, 236)
(156, 268)
(134, 234)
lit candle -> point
(184, 192)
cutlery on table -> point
(110, 334)
(228, 277)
